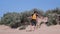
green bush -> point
(15, 20)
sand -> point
(42, 30)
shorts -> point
(33, 22)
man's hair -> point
(35, 12)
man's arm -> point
(37, 15)
(29, 17)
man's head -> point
(35, 12)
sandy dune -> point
(42, 30)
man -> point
(33, 20)
(33, 23)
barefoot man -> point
(33, 21)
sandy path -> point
(43, 30)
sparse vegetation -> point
(15, 20)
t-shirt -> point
(34, 16)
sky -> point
(22, 5)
